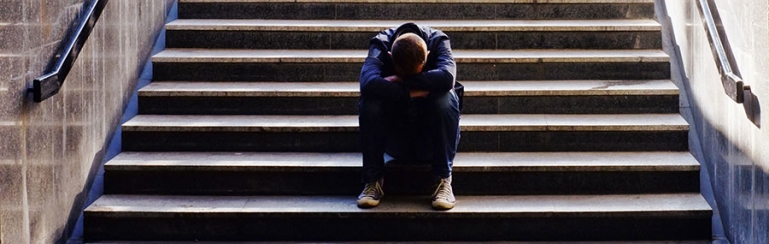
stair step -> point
(415, 9)
(379, 25)
(465, 162)
(467, 34)
(342, 123)
(290, 133)
(351, 89)
(192, 55)
(336, 218)
(341, 65)
(341, 98)
(419, 1)
(195, 173)
(420, 242)
(641, 205)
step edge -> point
(459, 168)
(164, 92)
(335, 94)
(350, 89)
(193, 55)
(268, 25)
(470, 128)
(556, 161)
(348, 123)
(423, 1)
(696, 206)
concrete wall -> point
(734, 148)
(49, 152)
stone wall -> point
(734, 148)
(49, 152)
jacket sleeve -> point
(373, 85)
(443, 75)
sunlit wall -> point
(49, 151)
(734, 147)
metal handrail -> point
(733, 85)
(50, 83)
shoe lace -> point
(372, 189)
(443, 191)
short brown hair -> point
(409, 52)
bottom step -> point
(424, 242)
(336, 218)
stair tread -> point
(647, 205)
(464, 162)
(416, 1)
(417, 242)
(351, 89)
(444, 25)
(469, 122)
(192, 55)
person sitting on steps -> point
(409, 108)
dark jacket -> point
(438, 75)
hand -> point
(418, 93)
(393, 78)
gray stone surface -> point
(472, 141)
(481, 173)
(341, 98)
(731, 146)
(296, 103)
(444, 25)
(49, 150)
(348, 123)
(193, 55)
(416, 10)
(170, 217)
(419, 1)
(459, 39)
(323, 72)
(292, 89)
(363, 1)
(351, 89)
(464, 162)
(645, 205)
(428, 242)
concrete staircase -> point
(570, 130)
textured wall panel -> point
(48, 151)
(734, 147)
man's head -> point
(409, 53)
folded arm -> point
(372, 84)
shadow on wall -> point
(752, 107)
(740, 187)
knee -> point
(444, 103)
(370, 108)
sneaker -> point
(443, 198)
(371, 194)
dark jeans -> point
(426, 129)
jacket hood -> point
(409, 27)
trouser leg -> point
(375, 119)
(442, 117)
